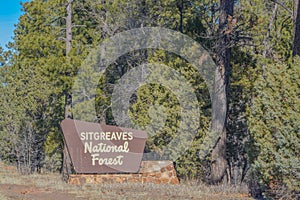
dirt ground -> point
(15, 186)
(12, 191)
(51, 187)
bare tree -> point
(66, 168)
(68, 98)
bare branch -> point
(75, 25)
(283, 6)
(61, 38)
(266, 40)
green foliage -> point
(243, 76)
(274, 127)
(35, 75)
(53, 151)
(36, 79)
(156, 109)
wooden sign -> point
(96, 148)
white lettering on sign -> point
(106, 136)
(102, 147)
(118, 160)
(97, 150)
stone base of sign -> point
(158, 172)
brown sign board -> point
(97, 148)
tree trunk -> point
(66, 168)
(266, 41)
(221, 83)
(296, 43)
(180, 8)
(68, 97)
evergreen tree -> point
(274, 126)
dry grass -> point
(2, 197)
(53, 183)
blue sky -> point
(10, 11)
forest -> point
(255, 48)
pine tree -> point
(274, 127)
